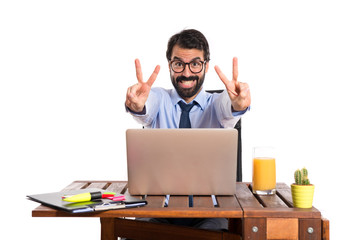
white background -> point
(65, 67)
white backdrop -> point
(65, 67)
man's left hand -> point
(239, 92)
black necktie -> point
(184, 118)
(185, 123)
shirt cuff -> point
(143, 112)
(238, 113)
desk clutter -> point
(86, 200)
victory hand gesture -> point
(137, 94)
(239, 92)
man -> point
(188, 57)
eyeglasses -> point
(195, 66)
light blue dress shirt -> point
(212, 111)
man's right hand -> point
(137, 94)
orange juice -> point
(264, 175)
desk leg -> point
(108, 229)
(235, 225)
(235, 230)
(254, 228)
(325, 225)
(310, 229)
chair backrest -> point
(239, 152)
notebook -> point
(181, 161)
(54, 200)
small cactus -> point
(306, 182)
(304, 172)
(298, 177)
(301, 177)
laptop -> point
(182, 161)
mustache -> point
(183, 78)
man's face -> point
(187, 83)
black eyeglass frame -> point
(203, 63)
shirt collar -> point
(200, 98)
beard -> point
(188, 92)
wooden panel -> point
(203, 201)
(310, 229)
(285, 195)
(146, 211)
(282, 228)
(178, 201)
(108, 229)
(325, 226)
(230, 236)
(227, 202)
(235, 225)
(117, 187)
(254, 228)
(272, 201)
(282, 186)
(102, 185)
(246, 197)
(146, 230)
(177, 207)
(271, 206)
(155, 201)
(282, 212)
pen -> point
(84, 197)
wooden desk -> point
(250, 216)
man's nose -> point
(187, 72)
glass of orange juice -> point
(264, 171)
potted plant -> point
(302, 191)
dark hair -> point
(189, 39)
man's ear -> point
(207, 66)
